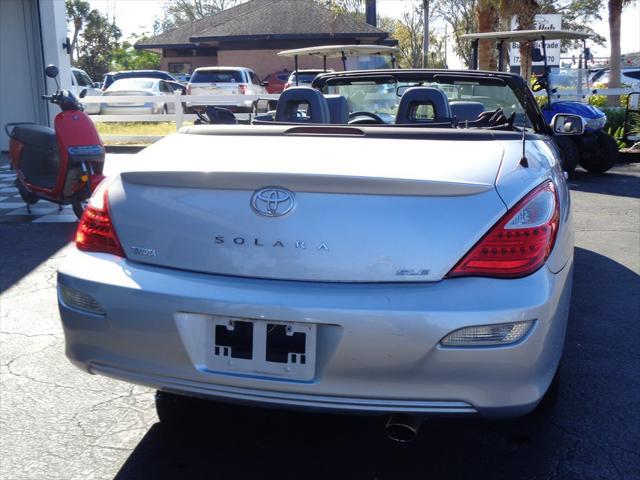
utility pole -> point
(425, 41)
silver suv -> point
(227, 81)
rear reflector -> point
(80, 301)
(95, 231)
(487, 335)
(520, 242)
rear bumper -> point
(377, 344)
(146, 109)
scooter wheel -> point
(28, 197)
(602, 157)
(79, 203)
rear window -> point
(217, 76)
(305, 77)
(132, 84)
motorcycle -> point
(62, 165)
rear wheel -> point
(28, 197)
(598, 153)
(569, 152)
(79, 204)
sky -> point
(137, 16)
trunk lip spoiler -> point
(306, 183)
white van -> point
(79, 81)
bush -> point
(615, 118)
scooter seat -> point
(36, 135)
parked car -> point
(628, 76)
(137, 87)
(227, 81)
(305, 77)
(81, 81)
(111, 77)
(276, 81)
(363, 276)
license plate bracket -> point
(262, 347)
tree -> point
(97, 44)
(126, 57)
(77, 13)
(615, 14)
(179, 12)
(460, 15)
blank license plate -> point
(262, 347)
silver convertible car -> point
(324, 258)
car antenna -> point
(523, 160)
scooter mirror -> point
(51, 71)
(83, 93)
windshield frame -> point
(516, 83)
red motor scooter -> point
(62, 165)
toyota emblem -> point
(273, 202)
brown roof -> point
(259, 19)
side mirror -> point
(83, 93)
(567, 124)
(51, 71)
(536, 55)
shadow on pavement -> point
(585, 437)
(609, 183)
(23, 247)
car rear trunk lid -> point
(407, 211)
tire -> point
(79, 204)
(599, 154)
(28, 197)
(569, 153)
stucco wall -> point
(195, 62)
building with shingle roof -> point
(250, 35)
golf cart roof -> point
(528, 35)
(337, 51)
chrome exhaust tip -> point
(402, 428)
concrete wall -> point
(31, 36)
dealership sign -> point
(552, 21)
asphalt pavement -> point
(57, 422)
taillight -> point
(95, 231)
(520, 242)
(242, 88)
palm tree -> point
(487, 14)
(615, 12)
(525, 16)
(77, 13)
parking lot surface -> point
(60, 423)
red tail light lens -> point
(95, 231)
(242, 89)
(520, 242)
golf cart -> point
(367, 57)
(594, 150)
